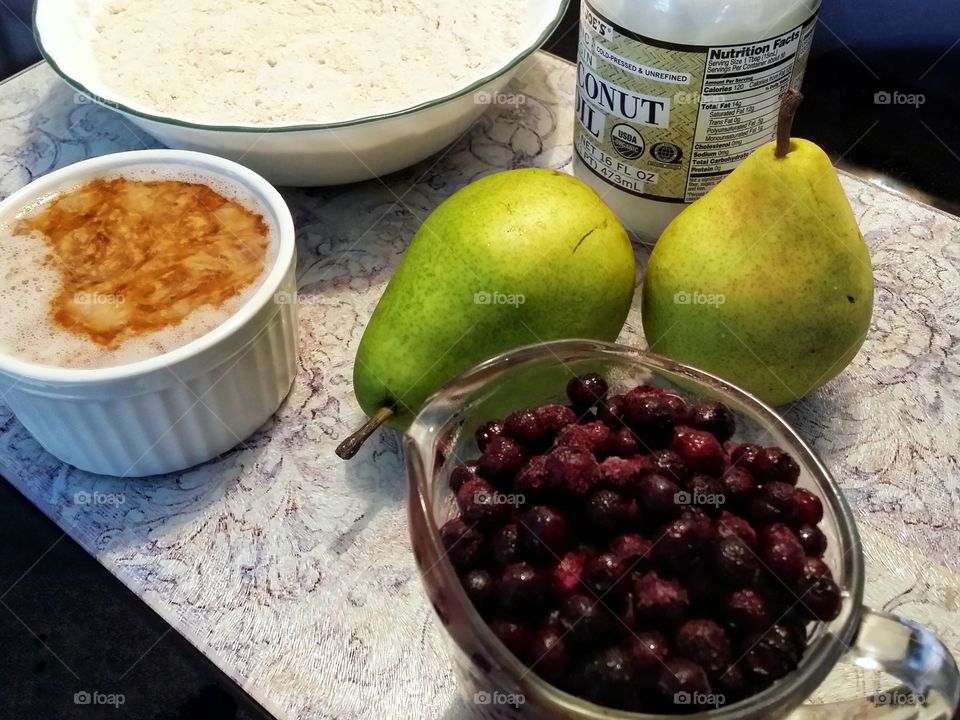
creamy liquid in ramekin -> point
(32, 284)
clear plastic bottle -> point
(673, 94)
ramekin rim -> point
(198, 162)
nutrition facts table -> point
(739, 101)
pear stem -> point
(788, 110)
(349, 447)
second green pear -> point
(766, 280)
(513, 259)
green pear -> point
(513, 259)
(766, 280)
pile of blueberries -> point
(628, 552)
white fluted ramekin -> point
(184, 407)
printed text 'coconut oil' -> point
(673, 94)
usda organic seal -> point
(627, 141)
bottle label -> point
(668, 122)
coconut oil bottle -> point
(673, 94)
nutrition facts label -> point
(667, 121)
(739, 102)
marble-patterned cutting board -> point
(290, 569)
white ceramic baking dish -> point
(174, 410)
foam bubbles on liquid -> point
(28, 283)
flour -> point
(289, 62)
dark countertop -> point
(68, 627)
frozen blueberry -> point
(533, 481)
(813, 540)
(487, 432)
(622, 474)
(554, 418)
(771, 655)
(572, 471)
(781, 552)
(463, 473)
(700, 451)
(623, 443)
(730, 525)
(513, 634)
(479, 586)
(819, 595)
(773, 503)
(747, 612)
(649, 649)
(566, 577)
(684, 678)
(463, 543)
(525, 427)
(766, 464)
(659, 496)
(606, 577)
(808, 508)
(608, 513)
(715, 418)
(521, 590)
(706, 493)
(586, 391)
(547, 654)
(749, 457)
(610, 411)
(544, 533)
(735, 562)
(609, 679)
(779, 466)
(739, 487)
(505, 545)
(593, 436)
(653, 417)
(586, 622)
(632, 548)
(706, 643)
(733, 683)
(501, 460)
(680, 542)
(480, 502)
(658, 599)
(670, 465)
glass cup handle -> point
(908, 652)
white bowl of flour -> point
(305, 92)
